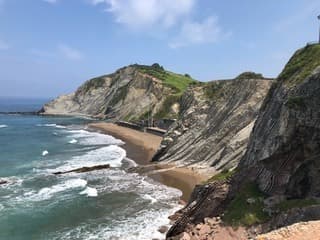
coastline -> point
(140, 147)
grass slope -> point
(177, 82)
(301, 65)
(240, 212)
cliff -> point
(215, 123)
(277, 180)
(131, 93)
(285, 142)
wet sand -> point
(140, 147)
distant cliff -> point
(131, 93)
(215, 123)
(277, 182)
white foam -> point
(152, 199)
(93, 138)
(3, 126)
(143, 226)
(112, 155)
(90, 192)
(51, 125)
(45, 153)
(73, 141)
(48, 192)
(12, 182)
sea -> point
(107, 204)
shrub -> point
(240, 212)
(250, 75)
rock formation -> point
(282, 161)
(284, 147)
(215, 123)
(2, 182)
(84, 169)
(131, 93)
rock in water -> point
(85, 169)
(3, 182)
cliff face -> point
(215, 124)
(277, 181)
(131, 93)
(284, 146)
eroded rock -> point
(85, 169)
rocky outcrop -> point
(2, 182)
(131, 93)
(283, 153)
(205, 201)
(215, 124)
(85, 169)
(284, 147)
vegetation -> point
(212, 89)
(240, 212)
(224, 175)
(295, 102)
(93, 83)
(250, 75)
(296, 203)
(165, 110)
(301, 65)
(177, 82)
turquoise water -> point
(107, 204)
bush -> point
(212, 89)
(250, 75)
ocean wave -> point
(48, 192)
(73, 141)
(143, 226)
(147, 188)
(45, 153)
(112, 155)
(3, 126)
(51, 125)
(93, 138)
(90, 192)
(11, 182)
(150, 198)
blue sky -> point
(50, 47)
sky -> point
(50, 47)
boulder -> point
(3, 182)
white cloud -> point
(139, 14)
(191, 33)
(70, 53)
(4, 45)
(173, 16)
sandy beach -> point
(140, 147)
